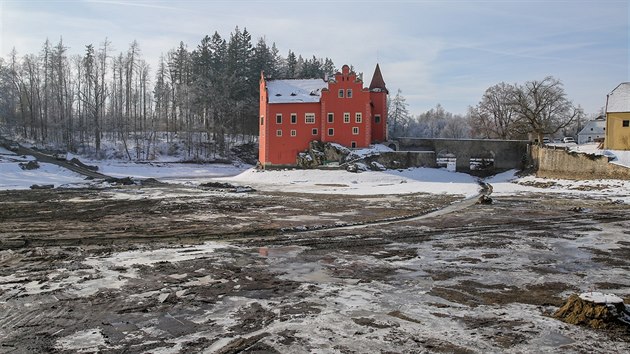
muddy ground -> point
(172, 269)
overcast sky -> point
(446, 52)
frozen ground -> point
(311, 262)
(480, 279)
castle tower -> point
(378, 101)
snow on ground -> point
(4, 151)
(619, 157)
(13, 177)
(601, 298)
(508, 183)
(372, 150)
(413, 180)
(166, 170)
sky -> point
(436, 52)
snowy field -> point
(408, 181)
(414, 180)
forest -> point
(200, 101)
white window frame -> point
(331, 131)
(330, 117)
(358, 117)
(278, 118)
(293, 132)
(349, 93)
(314, 131)
(309, 118)
(293, 118)
(279, 132)
(346, 117)
(377, 118)
(355, 130)
(341, 93)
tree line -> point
(534, 109)
(204, 98)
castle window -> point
(353, 144)
(331, 131)
(314, 131)
(626, 123)
(278, 118)
(340, 93)
(331, 117)
(349, 93)
(293, 118)
(309, 118)
(377, 118)
(278, 132)
(358, 117)
(262, 120)
(293, 132)
(355, 130)
(346, 117)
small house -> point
(593, 131)
(618, 118)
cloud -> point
(445, 52)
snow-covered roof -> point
(619, 99)
(594, 127)
(295, 91)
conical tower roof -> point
(377, 80)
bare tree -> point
(543, 106)
(495, 115)
(456, 127)
(398, 114)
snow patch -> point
(409, 181)
(89, 340)
(601, 298)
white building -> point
(594, 131)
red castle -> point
(339, 110)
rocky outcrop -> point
(31, 165)
(595, 310)
(319, 154)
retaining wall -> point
(559, 163)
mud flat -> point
(176, 270)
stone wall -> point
(404, 159)
(506, 154)
(559, 163)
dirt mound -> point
(597, 311)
